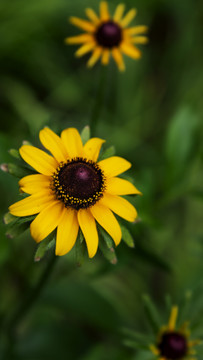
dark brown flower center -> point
(173, 346)
(79, 183)
(109, 34)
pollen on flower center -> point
(173, 345)
(79, 183)
(108, 34)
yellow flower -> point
(174, 344)
(105, 35)
(72, 190)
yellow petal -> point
(139, 40)
(107, 220)
(79, 39)
(105, 57)
(89, 229)
(92, 148)
(84, 49)
(114, 166)
(104, 12)
(47, 220)
(173, 318)
(34, 183)
(32, 204)
(118, 59)
(82, 24)
(136, 30)
(92, 16)
(38, 159)
(120, 206)
(154, 349)
(194, 342)
(130, 50)
(128, 18)
(119, 12)
(95, 57)
(72, 141)
(117, 186)
(67, 232)
(53, 143)
(192, 352)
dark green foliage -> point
(152, 116)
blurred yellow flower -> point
(105, 35)
(72, 190)
(172, 343)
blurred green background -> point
(153, 115)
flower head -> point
(172, 343)
(105, 35)
(73, 189)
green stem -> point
(99, 100)
(28, 302)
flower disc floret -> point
(79, 183)
(173, 345)
(109, 34)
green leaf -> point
(109, 253)
(127, 237)
(17, 230)
(9, 218)
(24, 219)
(152, 314)
(16, 170)
(80, 249)
(43, 247)
(110, 151)
(15, 153)
(85, 134)
(17, 225)
(107, 238)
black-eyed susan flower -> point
(73, 190)
(174, 343)
(105, 35)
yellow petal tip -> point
(66, 41)
(91, 255)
